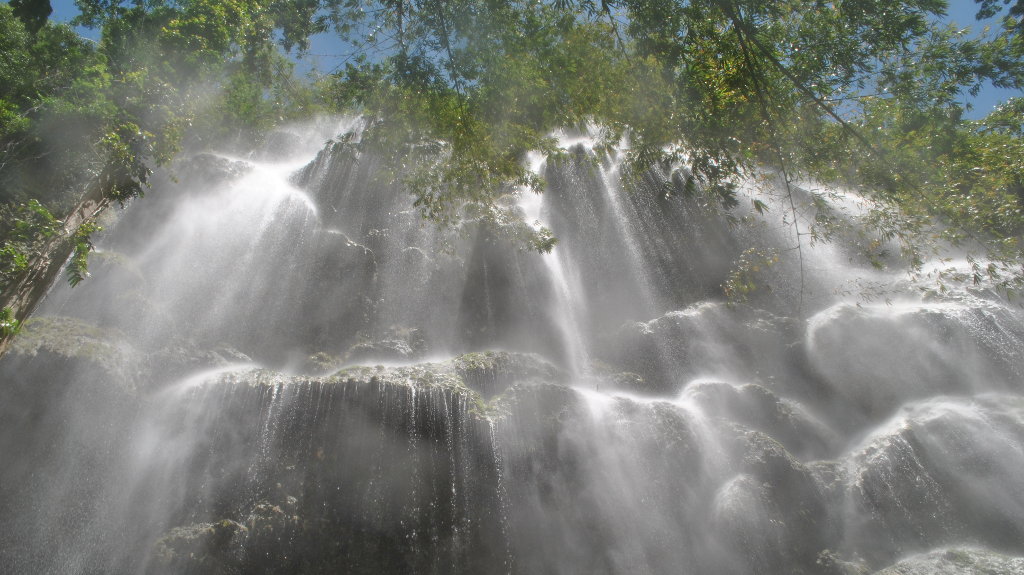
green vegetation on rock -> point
(73, 338)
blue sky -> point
(962, 12)
(328, 52)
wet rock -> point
(748, 521)
(831, 563)
(419, 376)
(832, 479)
(619, 381)
(773, 514)
(342, 151)
(209, 168)
(201, 548)
(492, 372)
(184, 357)
(397, 345)
(622, 241)
(756, 407)
(342, 165)
(957, 561)
(373, 470)
(335, 300)
(707, 340)
(941, 471)
(565, 452)
(66, 387)
(272, 534)
(322, 362)
(488, 374)
(386, 350)
(876, 358)
(75, 347)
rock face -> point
(279, 368)
(939, 473)
(709, 338)
(756, 407)
(877, 359)
(323, 489)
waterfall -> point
(279, 367)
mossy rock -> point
(832, 563)
(183, 358)
(70, 337)
(321, 362)
(267, 518)
(488, 373)
(492, 372)
(418, 376)
(397, 344)
(756, 407)
(77, 345)
(963, 561)
(210, 168)
(383, 350)
(207, 548)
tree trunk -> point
(28, 290)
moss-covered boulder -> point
(395, 345)
(490, 373)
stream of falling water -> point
(566, 308)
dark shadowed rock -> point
(773, 514)
(940, 471)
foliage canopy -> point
(868, 93)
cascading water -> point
(278, 367)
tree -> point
(114, 111)
(459, 91)
(864, 90)
(32, 13)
